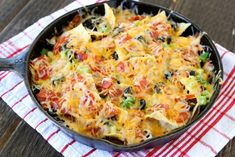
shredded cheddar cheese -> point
(124, 76)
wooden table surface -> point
(18, 139)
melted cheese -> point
(88, 80)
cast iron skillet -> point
(20, 64)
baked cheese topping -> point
(123, 76)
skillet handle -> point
(17, 64)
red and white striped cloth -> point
(206, 138)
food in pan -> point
(123, 76)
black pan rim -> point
(106, 142)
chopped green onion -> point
(104, 27)
(165, 45)
(201, 80)
(137, 23)
(82, 69)
(199, 77)
(44, 51)
(204, 56)
(203, 99)
(128, 102)
(64, 53)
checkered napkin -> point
(206, 138)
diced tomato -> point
(137, 88)
(89, 99)
(190, 96)
(121, 67)
(155, 25)
(106, 84)
(42, 95)
(41, 67)
(136, 17)
(52, 98)
(139, 133)
(110, 111)
(115, 92)
(82, 56)
(59, 43)
(183, 117)
(94, 68)
(125, 38)
(143, 83)
(77, 78)
(93, 129)
(42, 72)
(98, 69)
(154, 34)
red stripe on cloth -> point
(98, 1)
(226, 89)
(12, 44)
(17, 51)
(124, 154)
(29, 112)
(89, 153)
(39, 24)
(40, 123)
(11, 88)
(2, 72)
(200, 141)
(216, 130)
(208, 128)
(2, 47)
(154, 150)
(203, 126)
(221, 133)
(230, 96)
(195, 140)
(198, 124)
(65, 9)
(116, 154)
(228, 116)
(208, 146)
(67, 145)
(137, 154)
(7, 47)
(171, 143)
(19, 100)
(27, 35)
(204, 132)
(222, 49)
(52, 134)
(224, 53)
(133, 154)
(5, 75)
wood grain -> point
(33, 11)
(216, 17)
(17, 138)
(26, 142)
(8, 123)
(9, 9)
